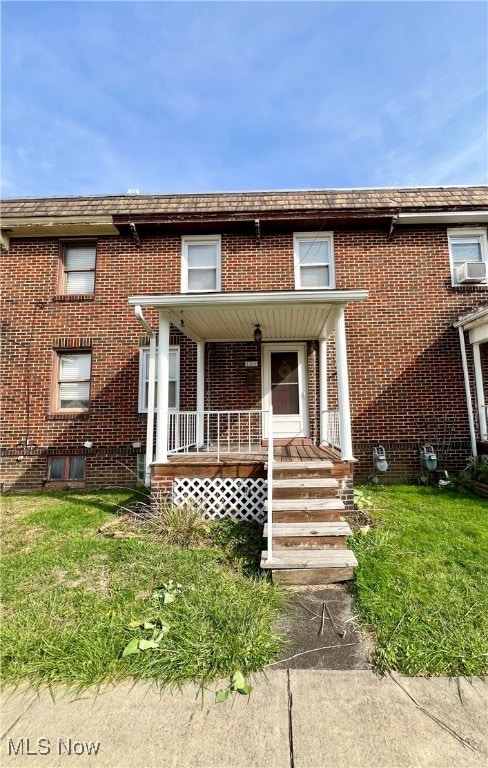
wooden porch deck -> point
(257, 455)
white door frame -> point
(301, 349)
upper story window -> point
(77, 268)
(174, 379)
(469, 256)
(72, 378)
(314, 260)
(200, 266)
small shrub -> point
(180, 526)
(476, 469)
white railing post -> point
(270, 484)
(343, 386)
(151, 391)
(162, 389)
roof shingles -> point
(407, 199)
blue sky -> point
(99, 97)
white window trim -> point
(63, 278)
(313, 237)
(459, 232)
(142, 406)
(185, 241)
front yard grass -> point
(69, 595)
(422, 582)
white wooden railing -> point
(216, 432)
(330, 419)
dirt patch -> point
(320, 631)
(97, 580)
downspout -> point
(150, 393)
(469, 402)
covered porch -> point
(473, 327)
(278, 327)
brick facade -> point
(403, 352)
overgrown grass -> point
(70, 594)
(422, 581)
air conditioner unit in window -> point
(472, 272)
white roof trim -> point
(473, 319)
(251, 298)
(444, 217)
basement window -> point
(66, 468)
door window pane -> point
(284, 383)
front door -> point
(284, 386)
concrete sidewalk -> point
(294, 719)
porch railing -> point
(330, 419)
(216, 431)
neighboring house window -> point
(314, 260)
(141, 468)
(200, 270)
(73, 372)
(174, 379)
(66, 468)
(78, 268)
(469, 255)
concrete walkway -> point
(294, 719)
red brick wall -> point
(404, 358)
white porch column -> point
(150, 408)
(343, 386)
(480, 394)
(163, 388)
(200, 391)
(469, 402)
(323, 391)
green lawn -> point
(69, 595)
(422, 583)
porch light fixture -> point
(258, 334)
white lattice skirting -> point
(221, 497)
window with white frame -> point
(77, 268)
(174, 379)
(72, 381)
(314, 260)
(200, 264)
(468, 252)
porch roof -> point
(297, 315)
(476, 322)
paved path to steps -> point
(293, 719)
(319, 631)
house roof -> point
(255, 203)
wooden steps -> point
(309, 537)
(331, 535)
(314, 566)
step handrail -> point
(270, 485)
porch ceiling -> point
(297, 315)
